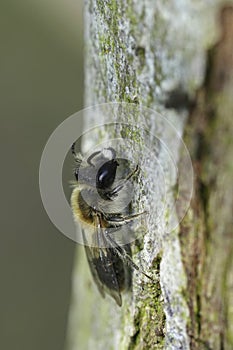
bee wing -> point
(102, 262)
(90, 254)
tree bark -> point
(153, 55)
(206, 233)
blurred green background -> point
(41, 79)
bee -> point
(99, 204)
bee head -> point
(98, 170)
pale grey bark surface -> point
(136, 52)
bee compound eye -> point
(106, 174)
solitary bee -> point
(99, 204)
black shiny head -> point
(106, 174)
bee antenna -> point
(113, 152)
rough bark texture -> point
(140, 52)
(206, 233)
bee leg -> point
(121, 219)
(118, 188)
(125, 256)
(73, 149)
(132, 173)
(77, 156)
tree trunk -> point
(206, 233)
(153, 55)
